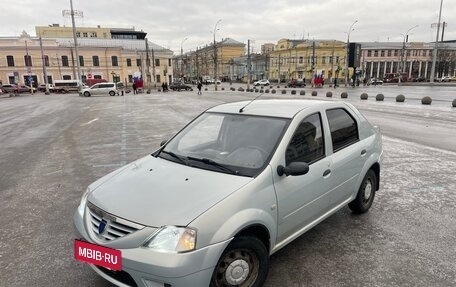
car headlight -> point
(173, 239)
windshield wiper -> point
(213, 163)
(180, 158)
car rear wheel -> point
(244, 263)
(366, 194)
(86, 94)
(112, 93)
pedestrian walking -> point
(199, 88)
(134, 88)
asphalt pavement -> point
(53, 146)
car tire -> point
(86, 94)
(245, 262)
(112, 93)
(366, 194)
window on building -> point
(10, 61)
(81, 61)
(169, 62)
(96, 61)
(114, 61)
(389, 53)
(396, 52)
(46, 60)
(369, 53)
(301, 60)
(138, 62)
(128, 62)
(382, 53)
(65, 61)
(375, 53)
(323, 60)
(158, 79)
(337, 59)
(78, 34)
(157, 62)
(130, 78)
(85, 35)
(93, 34)
(28, 60)
(408, 53)
(97, 77)
(66, 77)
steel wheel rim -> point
(238, 268)
(367, 191)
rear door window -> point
(344, 129)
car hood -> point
(157, 192)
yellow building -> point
(303, 59)
(21, 60)
(201, 63)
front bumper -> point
(148, 268)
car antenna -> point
(242, 109)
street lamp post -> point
(182, 58)
(348, 50)
(215, 54)
(434, 56)
(401, 70)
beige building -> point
(21, 60)
(200, 63)
(57, 31)
(302, 59)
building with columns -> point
(413, 59)
(302, 59)
(113, 59)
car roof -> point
(286, 108)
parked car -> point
(296, 83)
(234, 186)
(419, 79)
(212, 81)
(375, 81)
(445, 79)
(42, 88)
(107, 88)
(263, 82)
(177, 86)
(19, 88)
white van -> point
(66, 86)
(107, 88)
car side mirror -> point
(294, 168)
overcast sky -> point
(168, 23)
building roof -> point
(111, 43)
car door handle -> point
(327, 172)
(363, 152)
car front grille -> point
(111, 227)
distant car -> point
(419, 79)
(445, 79)
(42, 88)
(108, 88)
(20, 88)
(375, 81)
(177, 86)
(233, 187)
(212, 81)
(262, 82)
(296, 83)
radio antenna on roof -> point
(242, 109)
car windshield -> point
(229, 143)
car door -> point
(347, 155)
(303, 199)
(95, 89)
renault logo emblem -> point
(102, 226)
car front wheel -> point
(366, 194)
(244, 263)
(86, 94)
(112, 93)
